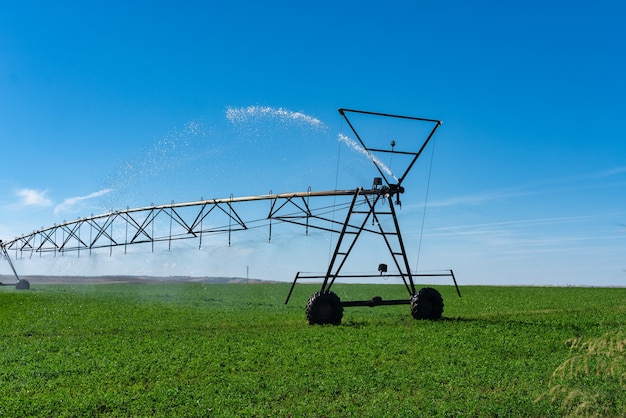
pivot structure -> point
(369, 212)
(366, 214)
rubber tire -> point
(22, 285)
(427, 304)
(324, 307)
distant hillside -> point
(8, 279)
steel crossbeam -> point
(176, 221)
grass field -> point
(237, 350)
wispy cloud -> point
(32, 197)
(483, 197)
(243, 114)
(69, 203)
(548, 186)
(554, 234)
(583, 180)
(610, 172)
(489, 226)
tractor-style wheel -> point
(22, 285)
(324, 307)
(427, 304)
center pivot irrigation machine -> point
(324, 306)
(370, 212)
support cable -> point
(430, 170)
(330, 241)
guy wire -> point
(430, 170)
(330, 241)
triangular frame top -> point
(414, 154)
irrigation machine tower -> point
(370, 212)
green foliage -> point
(223, 350)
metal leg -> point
(5, 254)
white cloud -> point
(610, 172)
(32, 197)
(69, 203)
(480, 198)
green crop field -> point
(237, 350)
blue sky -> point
(114, 104)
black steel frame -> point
(349, 235)
(373, 198)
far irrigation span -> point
(365, 212)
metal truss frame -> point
(177, 221)
(324, 306)
(194, 220)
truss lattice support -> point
(392, 237)
(189, 220)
